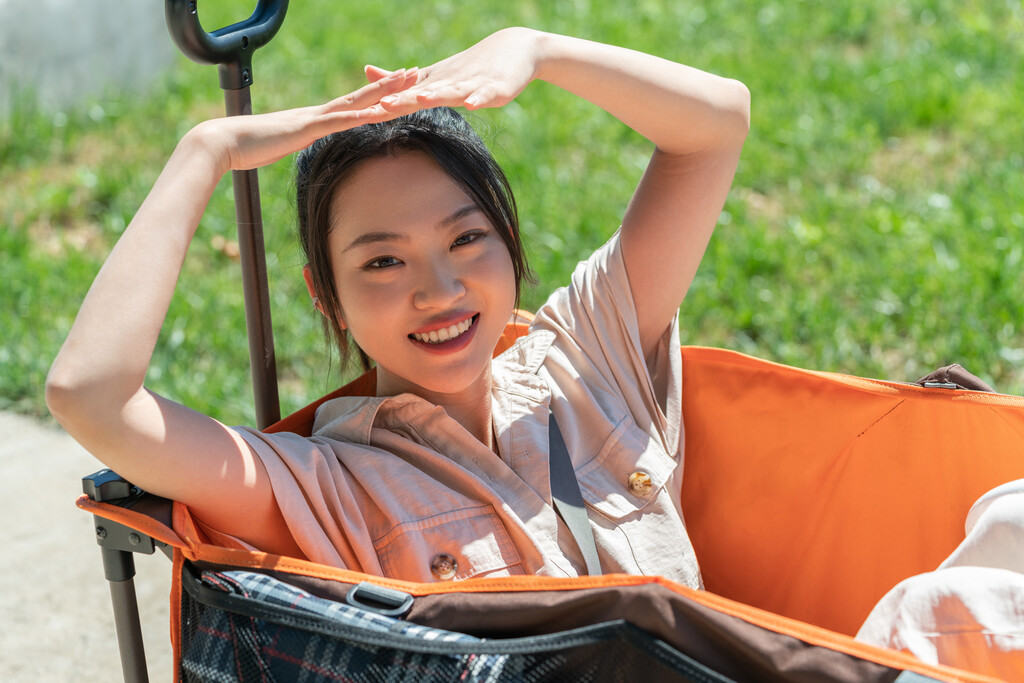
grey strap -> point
(567, 499)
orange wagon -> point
(807, 496)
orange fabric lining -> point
(803, 475)
(201, 552)
(807, 495)
(810, 495)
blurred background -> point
(875, 227)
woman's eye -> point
(468, 237)
(382, 262)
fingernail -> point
(390, 99)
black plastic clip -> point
(385, 601)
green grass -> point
(876, 225)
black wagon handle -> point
(231, 47)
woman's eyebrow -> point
(374, 237)
(384, 236)
(458, 215)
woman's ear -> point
(307, 275)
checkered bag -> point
(245, 626)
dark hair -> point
(449, 140)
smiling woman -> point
(439, 134)
(412, 255)
(414, 258)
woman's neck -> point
(470, 407)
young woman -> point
(414, 254)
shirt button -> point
(640, 484)
(444, 566)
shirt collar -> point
(514, 371)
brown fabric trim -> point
(958, 375)
(729, 644)
(333, 584)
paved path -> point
(56, 622)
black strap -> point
(567, 499)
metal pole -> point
(231, 48)
(119, 568)
(262, 358)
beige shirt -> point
(392, 486)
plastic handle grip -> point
(230, 47)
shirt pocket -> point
(474, 538)
(605, 479)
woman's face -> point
(426, 283)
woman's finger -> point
(488, 95)
(437, 92)
(331, 122)
(372, 92)
(471, 94)
(375, 73)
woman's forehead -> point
(394, 193)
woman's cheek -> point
(364, 300)
(498, 268)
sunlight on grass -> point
(876, 225)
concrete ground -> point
(57, 623)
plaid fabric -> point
(223, 646)
(245, 626)
(274, 592)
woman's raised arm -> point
(95, 386)
(697, 122)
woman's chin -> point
(437, 386)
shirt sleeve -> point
(316, 497)
(597, 348)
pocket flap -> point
(468, 542)
(604, 480)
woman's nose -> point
(439, 286)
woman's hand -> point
(246, 142)
(489, 74)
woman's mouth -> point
(446, 334)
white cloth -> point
(969, 613)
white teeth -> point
(446, 334)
